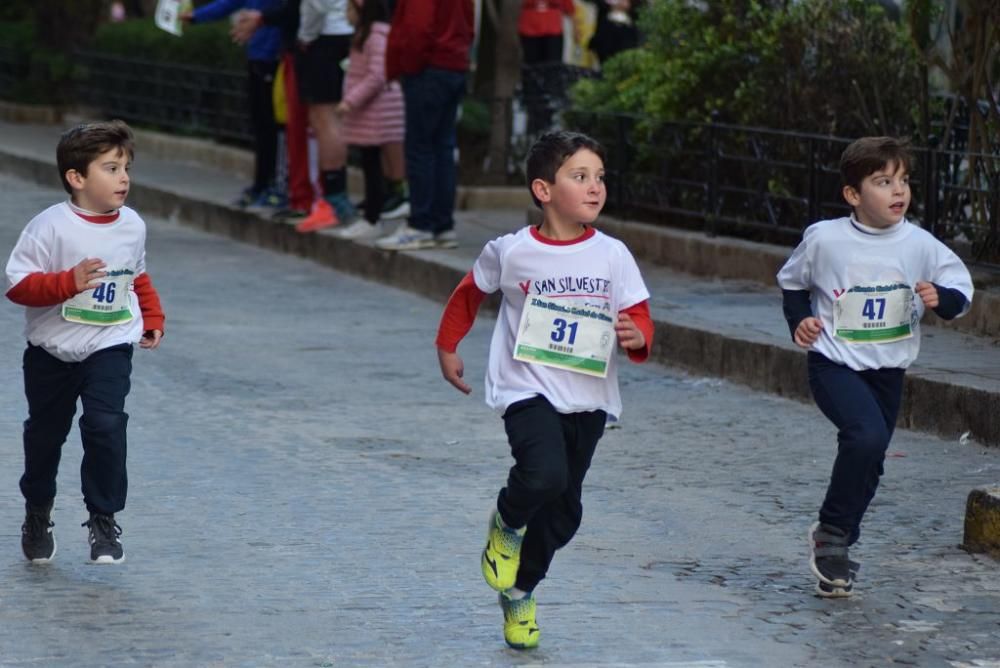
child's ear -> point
(852, 196)
(75, 179)
(540, 189)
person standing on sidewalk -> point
(854, 292)
(371, 109)
(569, 292)
(262, 63)
(79, 268)
(428, 51)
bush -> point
(207, 44)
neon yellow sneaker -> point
(520, 629)
(502, 554)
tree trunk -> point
(506, 72)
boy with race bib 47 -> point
(79, 268)
(570, 294)
(854, 291)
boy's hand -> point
(807, 332)
(150, 339)
(928, 294)
(245, 24)
(629, 335)
(87, 272)
(452, 368)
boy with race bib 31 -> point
(79, 268)
(854, 292)
(569, 294)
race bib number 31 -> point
(576, 339)
(874, 314)
(106, 304)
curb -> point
(928, 405)
(982, 522)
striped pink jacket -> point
(377, 105)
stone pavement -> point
(307, 491)
(728, 327)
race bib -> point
(104, 305)
(578, 339)
(874, 314)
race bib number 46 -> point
(106, 304)
(874, 314)
(566, 337)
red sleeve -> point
(640, 316)
(459, 314)
(40, 289)
(410, 38)
(149, 303)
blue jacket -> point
(265, 43)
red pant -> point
(300, 188)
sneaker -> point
(502, 554)
(406, 238)
(359, 229)
(446, 239)
(321, 216)
(105, 548)
(346, 212)
(37, 540)
(520, 629)
(395, 207)
(270, 199)
(246, 198)
(829, 560)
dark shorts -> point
(320, 75)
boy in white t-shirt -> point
(569, 292)
(854, 292)
(79, 268)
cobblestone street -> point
(305, 490)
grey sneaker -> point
(406, 238)
(37, 540)
(446, 239)
(829, 561)
(105, 548)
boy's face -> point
(105, 185)
(579, 192)
(883, 198)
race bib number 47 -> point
(874, 314)
(106, 304)
(566, 337)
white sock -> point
(516, 594)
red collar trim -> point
(101, 218)
(588, 232)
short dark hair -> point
(867, 155)
(81, 145)
(551, 150)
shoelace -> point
(103, 528)
(37, 524)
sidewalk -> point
(716, 307)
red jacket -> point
(543, 18)
(429, 33)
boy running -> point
(854, 292)
(569, 292)
(79, 268)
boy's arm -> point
(951, 302)
(215, 11)
(41, 289)
(796, 306)
(149, 303)
(642, 319)
(459, 314)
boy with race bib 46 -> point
(854, 291)
(79, 268)
(570, 293)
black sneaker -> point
(105, 548)
(37, 540)
(829, 560)
(396, 206)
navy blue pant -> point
(552, 453)
(431, 101)
(52, 387)
(863, 405)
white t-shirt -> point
(57, 239)
(597, 273)
(839, 255)
(323, 17)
